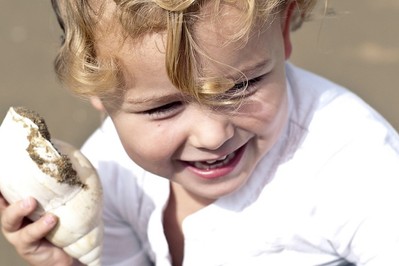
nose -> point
(210, 130)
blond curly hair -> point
(87, 73)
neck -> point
(181, 204)
(186, 202)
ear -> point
(286, 28)
(97, 103)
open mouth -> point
(215, 169)
(212, 164)
(222, 162)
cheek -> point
(267, 125)
(268, 111)
(280, 115)
(150, 146)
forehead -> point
(228, 18)
(221, 55)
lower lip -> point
(219, 172)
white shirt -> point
(326, 194)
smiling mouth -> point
(216, 169)
(213, 164)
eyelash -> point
(164, 110)
(245, 87)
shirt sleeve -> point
(375, 240)
(365, 178)
(356, 189)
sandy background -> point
(357, 46)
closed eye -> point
(245, 88)
(165, 110)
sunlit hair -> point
(81, 67)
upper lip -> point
(210, 159)
(215, 157)
(219, 159)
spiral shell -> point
(59, 177)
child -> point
(216, 150)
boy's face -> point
(209, 153)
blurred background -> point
(353, 42)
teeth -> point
(213, 161)
(211, 164)
(224, 157)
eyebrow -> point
(162, 99)
(155, 99)
(251, 68)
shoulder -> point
(330, 113)
(348, 151)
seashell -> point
(59, 177)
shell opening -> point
(59, 167)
